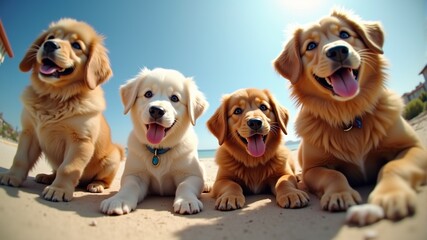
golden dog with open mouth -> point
(252, 157)
(351, 125)
(62, 116)
(162, 147)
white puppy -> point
(162, 147)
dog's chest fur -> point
(50, 118)
(357, 145)
(45, 110)
(253, 179)
(174, 166)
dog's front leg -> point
(394, 196)
(26, 156)
(397, 182)
(186, 196)
(229, 195)
(287, 194)
(332, 187)
(132, 191)
(76, 157)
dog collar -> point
(156, 151)
(357, 122)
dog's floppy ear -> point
(129, 91)
(98, 68)
(371, 33)
(288, 63)
(31, 55)
(197, 103)
(279, 111)
(217, 124)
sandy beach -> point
(25, 215)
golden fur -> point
(62, 116)
(385, 148)
(245, 170)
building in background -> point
(424, 72)
(420, 88)
(5, 47)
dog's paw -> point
(207, 188)
(95, 187)
(340, 201)
(9, 179)
(294, 199)
(229, 202)
(45, 178)
(116, 206)
(57, 194)
(364, 214)
(397, 203)
(187, 205)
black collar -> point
(157, 151)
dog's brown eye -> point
(238, 111)
(174, 98)
(263, 107)
(51, 37)
(311, 46)
(344, 35)
(148, 94)
(76, 45)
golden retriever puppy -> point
(62, 116)
(252, 157)
(350, 124)
(162, 147)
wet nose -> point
(156, 112)
(255, 123)
(337, 53)
(50, 46)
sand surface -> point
(25, 215)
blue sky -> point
(224, 44)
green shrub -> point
(413, 108)
(423, 97)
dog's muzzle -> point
(48, 66)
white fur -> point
(364, 214)
(179, 172)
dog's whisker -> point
(274, 128)
(369, 61)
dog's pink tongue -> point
(344, 82)
(155, 133)
(256, 145)
(48, 69)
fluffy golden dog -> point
(62, 116)
(350, 124)
(252, 157)
(162, 156)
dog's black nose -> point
(50, 46)
(338, 53)
(156, 112)
(255, 123)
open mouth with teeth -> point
(156, 132)
(255, 144)
(343, 82)
(50, 69)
